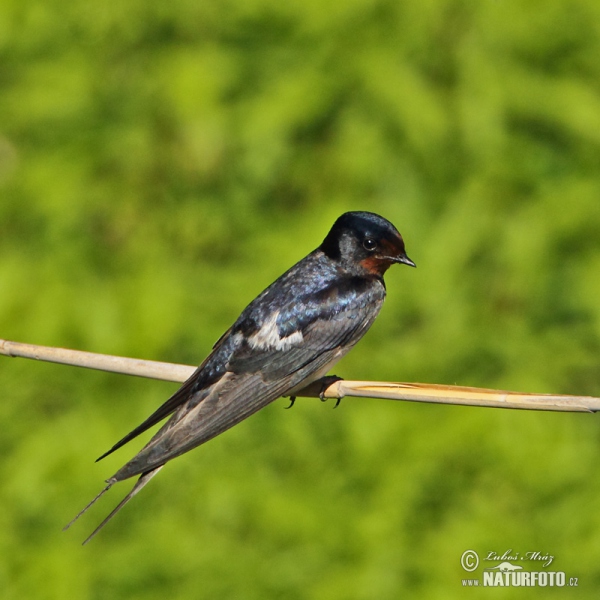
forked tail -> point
(141, 482)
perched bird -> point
(288, 337)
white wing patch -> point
(268, 338)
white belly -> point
(320, 373)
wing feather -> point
(253, 379)
(199, 378)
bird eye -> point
(369, 244)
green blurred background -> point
(162, 162)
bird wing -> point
(256, 376)
(181, 396)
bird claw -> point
(292, 400)
(326, 383)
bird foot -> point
(292, 400)
(325, 383)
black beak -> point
(404, 260)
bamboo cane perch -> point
(415, 392)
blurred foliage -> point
(161, 163)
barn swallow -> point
(288, 337)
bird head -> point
(363, 243)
